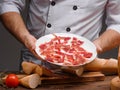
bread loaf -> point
(110, 67)
(115, 84)
(106, 66)
(30, 68)
(95, 65)
(30, 81)
(76, 71)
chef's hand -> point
(98, 48)
(30, 41)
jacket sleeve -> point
(113, 15)
(11, 6)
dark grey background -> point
(10, 50)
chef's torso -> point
(82, 17)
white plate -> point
(87, 45)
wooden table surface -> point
(94, 85)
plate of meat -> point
(65, 49)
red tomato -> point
(12, 80)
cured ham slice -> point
(65, 51)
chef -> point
(81, 17)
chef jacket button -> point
(49, 25)
(68, 29)
(75, 7)
(53, 3)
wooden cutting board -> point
(62, 78)
(65, 78)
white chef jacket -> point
(82, 17)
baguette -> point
(110, 67)
(30, 81)
(30, 68)
(95, 65)
(75, 71)
(115, 83)
(43, 71)
(106, 66)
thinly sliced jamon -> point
(65, 50)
